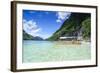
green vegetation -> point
(86, 25)
(76, 22)
(27, 36)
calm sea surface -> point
(44, 51)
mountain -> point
(27, 36)
(76, 23)
(86, 25)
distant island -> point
(27, 36)
(77, 26)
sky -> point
(43, 23)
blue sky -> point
(43, 23)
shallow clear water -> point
(44, 51)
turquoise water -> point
(44, 51)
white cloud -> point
(58, 20)
(62, 16)
(31, 28)
(31, 12)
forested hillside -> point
(77, 22)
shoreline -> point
(78, 42)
